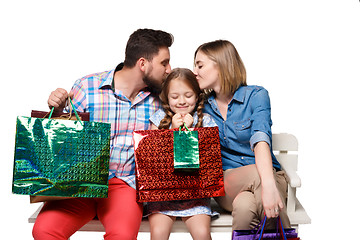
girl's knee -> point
(160, 232)
(199, 226)
(201, 233)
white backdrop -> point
(306, 53)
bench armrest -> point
(294, 179)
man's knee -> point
(120, 234)
(44, 232)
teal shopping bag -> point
(63, 158)
(186, 150)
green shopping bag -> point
(186, 150)
(62, 158)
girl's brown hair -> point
(189, 78)
(232, 71)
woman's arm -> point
(271, 200)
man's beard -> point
(153, 85)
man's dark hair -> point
(145, 43)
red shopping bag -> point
(156, 179)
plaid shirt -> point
(94, 93)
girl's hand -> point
(188, 120)
(177, 121)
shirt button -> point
(225, 138)
(242, 158)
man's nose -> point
(168, 69)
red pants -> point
(119, 213)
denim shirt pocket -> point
(243, 130)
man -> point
(123, 97)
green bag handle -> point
(185, 127)
(73, 109)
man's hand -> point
(57, 99)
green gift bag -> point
(62, 158)
(186, 150)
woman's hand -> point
(270, 195)
(271, 200)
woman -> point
(254, 182)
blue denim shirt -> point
(248, 122)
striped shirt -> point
(94, 94)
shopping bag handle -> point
(185, 127)
(277, 230)
(72, 107)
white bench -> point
(285, 147)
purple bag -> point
(259, 233)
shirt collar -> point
(108, 79)
(108, 83)
(239, 95)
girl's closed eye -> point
(174, 96)
(189, 95)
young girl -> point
(182, 102)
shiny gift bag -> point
(156, 178)
(62, 158)
(186, 150)
(258, 233)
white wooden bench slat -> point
(282, 144)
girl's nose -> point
(181, 100)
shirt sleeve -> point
(260, 118)
(79, 98)
(208, 121)
(157, 117)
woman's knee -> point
(244, 211)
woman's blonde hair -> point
(232, 71)
(187, 76)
